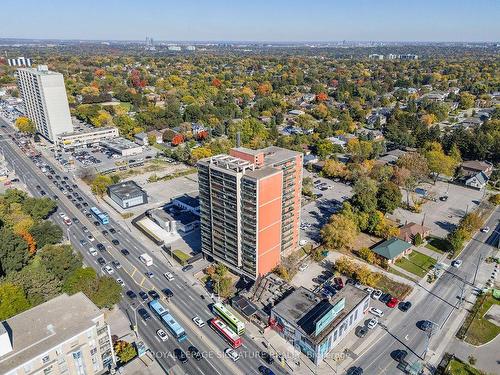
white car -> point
(303, 242)
(372, 323)
(376, 312)
(485, 229)
(303, 267)
(120, 281)
(92, 251)
(109, 270)
(90, 238)
(198, 321)
(376, 294)
(162, 335)
(231, 353)
(369, 290)
(456, 263)
(168, 276)
(62, 214)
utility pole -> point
(429, 336)
(477, 267)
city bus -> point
(223, 330)
(101, 216)
(168, 320)
(228, 317)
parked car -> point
(376, 312)
(376, 294)
(384, 298)
(372, 323)
(187, 268)
(485, 229)
(404, 306)
(456, 263)
(361, 332)
(392, 303)
(338, 282)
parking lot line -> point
(142, 281)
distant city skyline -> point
(259, 20)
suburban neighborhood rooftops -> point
(41, 328)
(408, 231)
(391, 248)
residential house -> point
(392, 249)
(474, 166)
(141, 138)
(470, 122)
(157, 134)
(408, 232)
(478, 180)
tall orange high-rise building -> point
(250, 207)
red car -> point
(338, 281)
(392, 302)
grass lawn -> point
(398, 290)
(458, 368)
(181, 256)
(482, 330)
(416, 263)
(396, 272)
(439, 245)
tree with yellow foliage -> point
(25, 125)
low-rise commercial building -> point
(66, 335)
(122, 146)
(127, 194)
(315, 326)
(86, 137)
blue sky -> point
(258, 20)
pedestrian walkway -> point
(404, 272)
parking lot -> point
(441, 216)
(315, 214)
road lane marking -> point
(142, 281)
(191, 298)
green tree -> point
(388, 197)
(125, 351)
(438, 161)
(367, 255)
(39, 208)
(365, 195)
(38, 283)
(340, 232)
(466, 100)
(108, 292)
(60, 260)
(46, 233)
(12, 300)
(13, 251)
(324, 148)
(81, 280)
(307, 186)
(100, 184)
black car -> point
(384, 298)
(168, 292)
(143, 295)
(112, 230)
(361, 331)
(88, 214)
(58, 177)
(399, 355)
(355, 371)
(42, 192)
(74, 186)
(404, 306)
(85, 204)
(55, 197)
(66, 177)
(181, 356)
(38, 187)
(79, 199)
(104, 232)
(101, 261)
(96, 223)
(187, 268)
(114, 241)
(265, 370)
(144, 314)
(78, 205)
(131, 294)
(425, 325)
(193, 350)
(125, 252)
(100, 247)
(154, 294)
(267, 357)
(75, 220)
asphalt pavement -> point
(186, 303)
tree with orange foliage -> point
(265, 89)
(216, 82)
(202, 135)
(321, 97)
(99, 72)
(177, 140)
(29, 240)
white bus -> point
(146, 259)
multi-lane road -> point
(189, 299)
(439, 304)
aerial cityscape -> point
(272, 188)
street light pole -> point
(429, 335)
